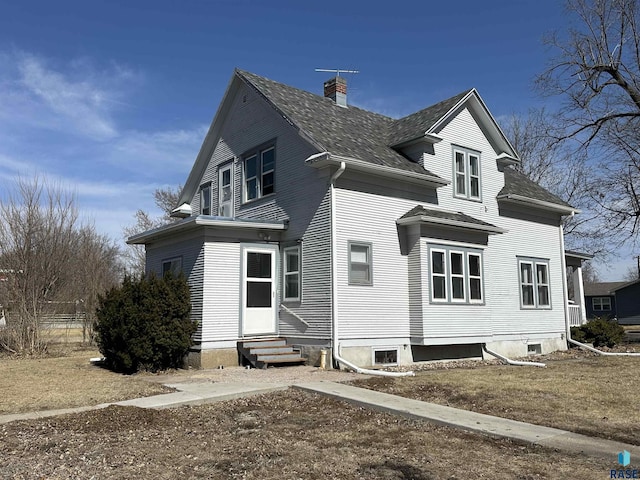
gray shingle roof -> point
(416, 124)
(420, 211)
(350, 132)
(516, 183)
(603, 288)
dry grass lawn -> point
(64, 379)
(592, 395)
(288, 435)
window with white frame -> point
(601, 304)
(456, 274)
(534, 283)
(205, 199)
(172, 265)
(225, 190)
(360, 264)
(291, 273)
(466, 171)
(259, 173)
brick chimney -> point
(336, 90)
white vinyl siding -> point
(456, 274)
(534, 283)
(466, 172)
(291, 273)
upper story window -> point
(534, 283)
(225, 190)
(466, 173)
(205, 199)
(259, 173)
(601, 304)
(456, 274)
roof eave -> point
(426, 138)
(204, 221)
(491, 230)
(325, 159)
(549, 206)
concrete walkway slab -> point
(471, 421)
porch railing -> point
(575, 316)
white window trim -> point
(221, 170)
(369, 263)
(534, 262)
(467, 153)
(601, 309)
(444, 275)
(286, 273)
(447, 250)
(205, 188)
(258, 154)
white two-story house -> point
(380, 240)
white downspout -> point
(512, 362)
(334, 287)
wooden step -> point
(263, 352)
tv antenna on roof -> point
(337, 71)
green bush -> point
(602, 332)
(144, 324)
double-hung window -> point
(360, 263)
(456, 274)
(466, 171)
(601, 304)
(205, 199)
(291, 273)
(225, 190)
(534, 283)
(259, 173)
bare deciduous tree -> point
(166, 199)
(596, 73)
(48, 259)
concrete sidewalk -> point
(209, 392)
(472, 421)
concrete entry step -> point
(261, 353)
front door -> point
(259, 290)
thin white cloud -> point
(76, 99)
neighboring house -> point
(614, 299)
(385, 241)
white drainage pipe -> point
(600, 352)
(366, 371)
(512, 362)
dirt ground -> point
(578, 391)
(285, 435)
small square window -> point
(172, 266)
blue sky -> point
(113, 98)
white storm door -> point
(259, 290)
(225, 191)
